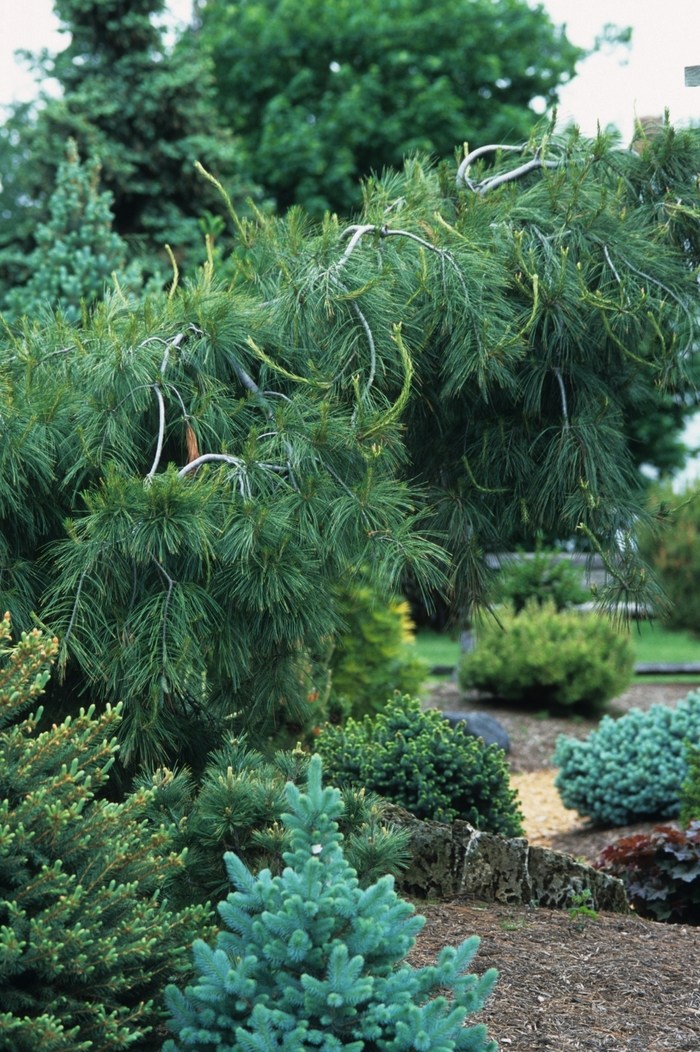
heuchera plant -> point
(661, 871)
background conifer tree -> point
(87, 941)
(77, 251)
(147, 114)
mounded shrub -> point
(87, 939)
(374, 656)
(415, 759)
(237, 806)
(632, 768)
(661, 872)
(310, 961)
(549, 659)
(543, 576)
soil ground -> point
(615, 983)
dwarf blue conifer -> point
(311, 961)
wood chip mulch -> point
(614, 983)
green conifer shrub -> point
(87, 940)
(77, 251)
(549, 659)
(690, 789)
(237, 806)
(415, 759)
(372, 657)
(311, 961)
(542, 576)
(632, 768)
(661, 872)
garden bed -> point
(616, 983)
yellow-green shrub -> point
(549, 659)
(373, 657)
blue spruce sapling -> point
(311, 961)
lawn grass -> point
(652, 642)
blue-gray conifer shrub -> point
(311, 961)
(631, 768)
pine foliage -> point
(237, 805)
(87, 940)
(310, 961)
(77, 251)
(485, 334)
(416, 759)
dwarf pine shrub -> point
(310, 961)
(87, 941)
(415, 759)
(238, 805)
(542, 576)
(631, 768)
(547, 658)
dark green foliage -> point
(690, 789)
(211, 593)
(323, 93)
(415, 759)
(673, 551)
(77, 251)
(146, 113)
(373, 654)
(308, 960)
(631, 768)
(87, 940)
(542, 576)
(237, 806)
(661, 872)
(549, 659)
(193, 521)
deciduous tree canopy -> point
(323, 92)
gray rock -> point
(481, 725)
(457, 861)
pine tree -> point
(309, 961)
(87, 940)
(146, 113)
(77, 251)
(185, 482)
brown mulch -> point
(615, 983)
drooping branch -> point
(161, 433)
(516, 173)
(480, 152)
(226, 458)
(557, 372)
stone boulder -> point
(481, 725)
(457, 861)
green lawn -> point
(651, 641)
